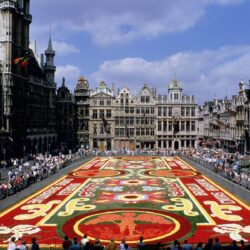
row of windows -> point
(145, 110)
(165, 111)
(165, 143)
(101, 102)
(183, 126)
(101, 113)
(123, 132)
(131, 121)
(126, 110)
(185, 111)
(145, 99)
(124, 120)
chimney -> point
(113, 87)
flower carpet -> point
(159, 198)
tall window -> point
(101, 129)
(94, 114)
(94, 129)
(170, 111)
(192, 125)
(159, 125)
(101, 113)
(137, 131)
(126, 110)
(142, 131)
(193, 111)
(165, 124)
(109, 113)
(170, 126)
(182, 125)
(188, 126)
(159, 111)
(182, 111)
(102, 102)
(165, 110)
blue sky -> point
(205, 43)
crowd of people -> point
(228, 165)
(22, 173)
(86, 244)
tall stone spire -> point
(49, 67)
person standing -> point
(84, 240)
(12, 244)
(111, 245)
(66, 244)
(34, 245)
(186, 246)
(217, 245)
(140, 243)
(122, 245)
(75, 245)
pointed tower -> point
(49, 67)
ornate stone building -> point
(101, 119)
(145, 118)
(226, 122)
(65, 117)
(177, 119)
(124, 116)
(27, 90)
(82, 94)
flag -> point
(18, 60)
(22, 61)
(105, 123)
(25, 62)
(127, 130)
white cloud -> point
(115, 21)
(205, 73)
(71, 74)
(63, 48)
